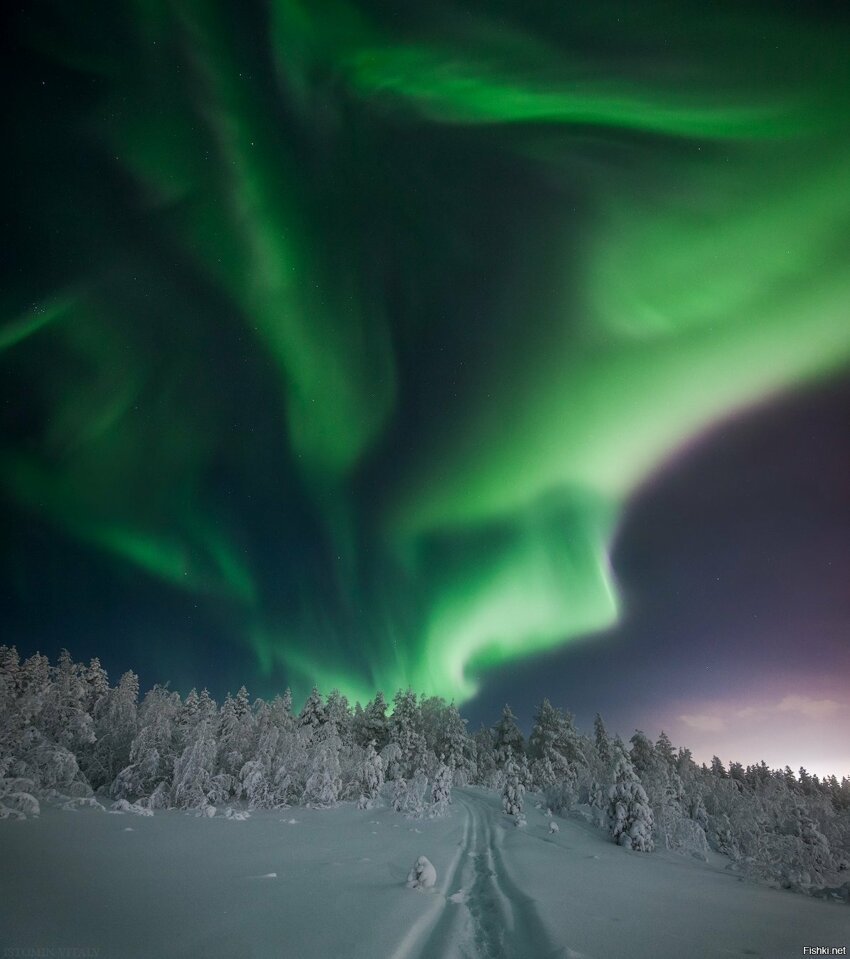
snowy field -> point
(303, 883)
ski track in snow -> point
(482, 913)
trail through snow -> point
(486, 916)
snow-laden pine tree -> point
(236, 743)
(371, 777)
(28, 730)
(629, 812)
(406, 733)
(256, 777)
(323, 782)
(338, 712)
(441, 791)
(601, 740)
(509, 742)
(553, 747)
(292, 765)
(16, 790)
(64, 716)
(194, 769)
(513, 793)
(154, 748)
(97, 684)
(371, 724)
(815, 855)
(313, 714)
(115, 727)
(664, 750)
(484, 766)
(454, 744)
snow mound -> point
(423, 875)
(237, 815)
(19, 805)
(123, 806)
(82, 802)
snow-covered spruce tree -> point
(441, 791)
(371, 777)
(509, 742)
(65, 720)
(323, 782)
(313, 714)
(513, 794)
(371, 724)
(292, 765)
(485, 772)
(815, 854)
(406, 733)
(629, 812)
(658, 769)
(236, 744)
(115, 728)
(553, 748)
(16, 791)
(194, 768)
(338, 712)
(417, 789)
(601, 740)
(445, 735)
(456, 746)
(664, 750)
(642, 753)
(154, 748)
(256, 777)
(31, 761)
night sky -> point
(496, 349)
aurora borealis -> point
(344, 335)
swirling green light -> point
(382, 319)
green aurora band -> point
(366, 323)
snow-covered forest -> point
(69, 737)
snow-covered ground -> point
(333, 883)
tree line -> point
(67, 735)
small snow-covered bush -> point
(423, 875)
(513, 794)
